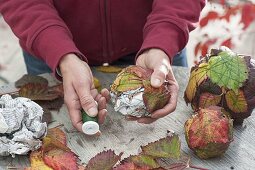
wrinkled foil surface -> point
(21, 126)
(130, 103)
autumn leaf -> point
(57, 134)
(155, 98)
(97, 84)
(35, 91)
(129, 166)
(197, 76)
(168, 147)
(208, 99)
(144, 161)
(55, 104)
(103, 161)
(36, 161)
(228, 70)
(109, 69)
(59, 159)
(27, 79)
(236, 102)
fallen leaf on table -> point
(36, 161)
(109, 69)
(26, 79)
(144, 161)
(97, 84)
(103, 161)
(36, 91)
(130, 166)
(168, 147)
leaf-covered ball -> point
(223, 79)
(132, 93)
(209, 132)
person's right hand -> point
(80, 92)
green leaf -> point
(103, 161)
(168, 147)
(228, 70)
(130, 166)
(144, 161)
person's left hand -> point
(158, 61)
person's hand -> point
(158, 61)
(80, 92)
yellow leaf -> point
(197, 76)
(97, 84)
(236, 101)
(109, 69)
(37, 163)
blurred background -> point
(223, 22)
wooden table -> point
(121, 135)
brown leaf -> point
(208, 99)
(55, 104)
(26, 79)
(130, 166)
(144, 161)
(38, 92)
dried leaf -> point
(155, 98)
(168, 147)
(55, 104)
(27, 79)
(59, 89)
(46, 116)
(198, 75)
(38, 92)
(109, 69)
(103, 161)
(236, 102)
(228, 70)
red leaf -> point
(197, 48)
(212, 15)
(130, 166)
(227, 43)
(59, 159)
(248, 14)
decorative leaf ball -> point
(132, 94)
(226, 79)
(209, 132)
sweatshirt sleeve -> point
(169, 24)
(40, 30)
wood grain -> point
(122, 135)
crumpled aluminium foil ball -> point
(21, 126)
(132, 94)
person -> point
(69, 36)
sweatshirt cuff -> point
(165, 36)
(52, 43)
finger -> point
(146, 120)
(86, 99)
(101, 103)
(158, 76)
(73, 106)
(102, 115)
(131, 118)
(106, 94)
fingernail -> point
(92, 112)
(156, 82)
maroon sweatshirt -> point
(100, 31)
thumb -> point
(158, 76)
